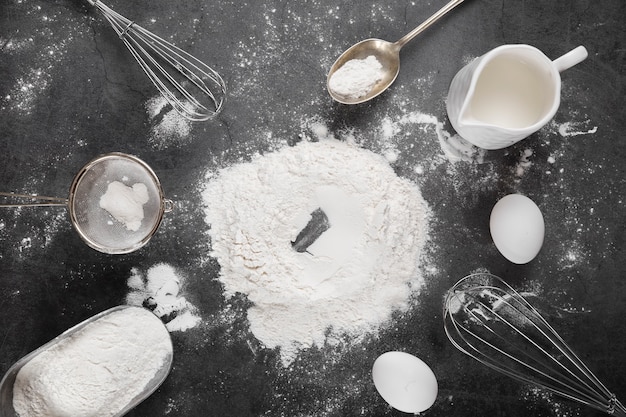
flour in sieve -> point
(352, 277)
(125, 203)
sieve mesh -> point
(96, 226)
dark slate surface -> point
(70, 91)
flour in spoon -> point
(310, 283)
(356, 77)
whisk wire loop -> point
(173, 57)
(508, 351)
(126, 29)
(165, 63)
(489, 321)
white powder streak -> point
(568, 129)
(355, 274)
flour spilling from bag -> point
(161, 290)
(311, 280)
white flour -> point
(454, 147)
(168, 127)
(352, 277)
(97, 371)
(571, 128)
(357, 77)
(125, 203)
(160, 290)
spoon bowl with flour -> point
(369, 67)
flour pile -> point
(349, 275)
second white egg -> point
(405, 382)
(517, 228)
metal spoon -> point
(387, 53)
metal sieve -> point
(96, 226)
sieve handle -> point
(35, 200)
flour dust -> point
(559, 407)
(161, 289)
(39, 55)
(49, 49)
(167, 126)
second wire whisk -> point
(194, 90)
(489, 321)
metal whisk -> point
(197, 96)
(491, 322)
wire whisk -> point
(198, 95)
(488, 320)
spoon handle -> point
(427, 23)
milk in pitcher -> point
(511, 93)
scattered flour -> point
(97, 371)
(356, 77)
(572, 129)
(559, 407)
(159, 290)
(26, 91)
(352, 277)
(125, 203)
(168, 127)
(454, 147)
(47, 50)
(524, 162)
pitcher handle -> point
(573, 57)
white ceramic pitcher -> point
(507, 94)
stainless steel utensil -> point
(200, 93)
(94, 224)
(489, 321)
(7, 382)
(387, 53)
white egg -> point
(405, 382)
(517, 228)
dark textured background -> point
(274, 56)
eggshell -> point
(517, 228)
(405, 382)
